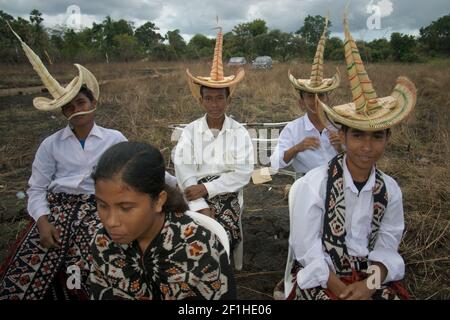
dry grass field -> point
(142, 99)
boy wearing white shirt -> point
(305, 143)
(214, 156)
(347, 219)
(61, 195)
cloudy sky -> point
(369, 19)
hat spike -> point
(364, 95)
(217, 65)
(317, 67)
(53, 86)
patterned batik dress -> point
(33, 273)
(227, 211)
(348, 268)
(184, 261)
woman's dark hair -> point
(227, 90)
(141, 166)
(87, 92)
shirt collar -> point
(95, 131)
(204, 124)
(348, 180)
(308, 124)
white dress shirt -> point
(307, 225)
(199, 154)
(295, 132)
(62, 165)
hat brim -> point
(327, 85)
(85, 77)
(394, 109)
(196, 82)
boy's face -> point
(78, 104)
(364, 148)
(308, 101)
(215, 102)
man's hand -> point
(207, 212)
(309, 143)
(335, 141)
(195, 192)
(49, 236)
(357, 291)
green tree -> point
(379, 50)
(148, 36)
(126, 47)
(245, 34)
(436, 36)
(312, 30)
(200, 46)
(403, 47)
(36, 17)
(334, 49)
(39, 37)
(176, 42)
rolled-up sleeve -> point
(43, 169)
(389, 237)
(285, 142)
(306, 238)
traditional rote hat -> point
(216, 78)
(367, 112)
(316, 83)
(61, 95)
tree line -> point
(120, 40)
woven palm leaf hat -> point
(316, 83)
(216, 77)
(60, 95)
(368, 112)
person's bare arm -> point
(363, 290)
(335, 285)
(309, 143)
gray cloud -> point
(198, 16)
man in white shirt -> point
(305, 143)
(347, 219)
(214, 156)
(61, 195)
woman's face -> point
(127, 214)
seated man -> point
(61, 194)
(214, 156)
(305, 143)
(348, 215)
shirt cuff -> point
(315, 274)
(39, 213)
(284, 164)
(198, 204)
(393, 262)
(211, 188)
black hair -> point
(227, 90)
(345, 128)
(300, 92)
(141, 166)
(87, 92)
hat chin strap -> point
(81, 113)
